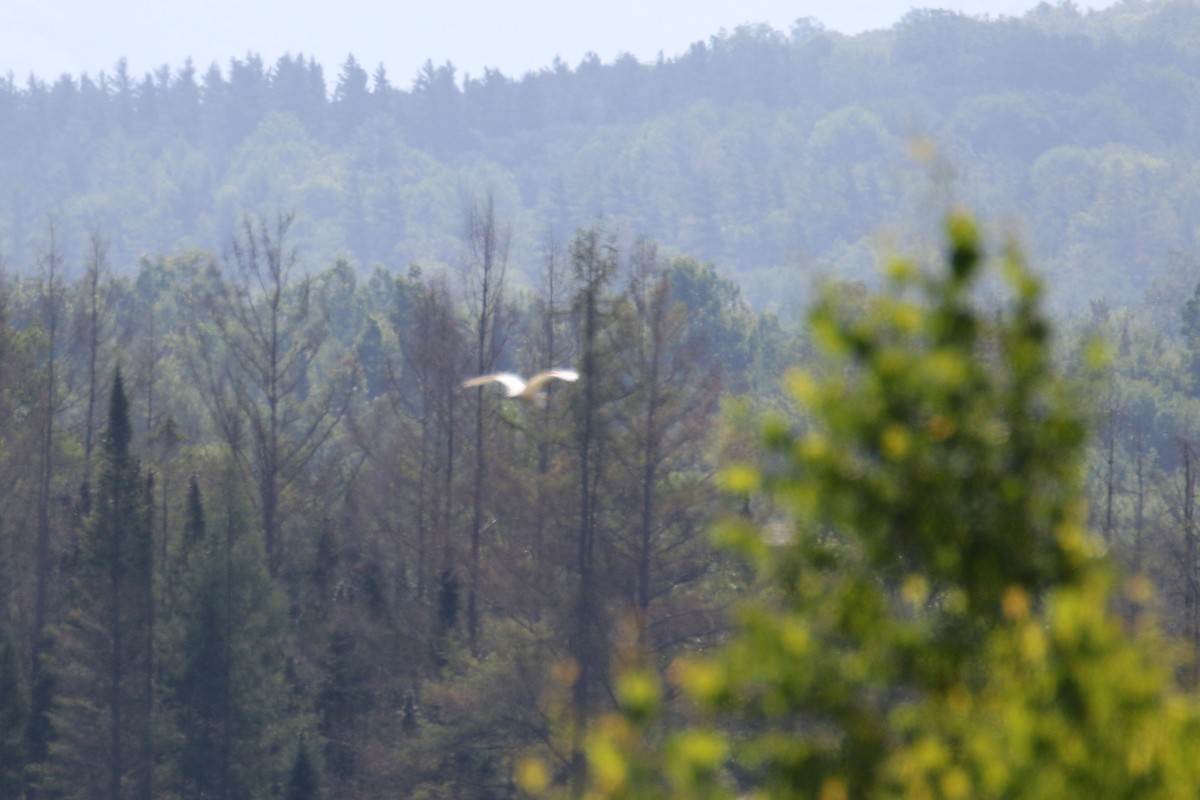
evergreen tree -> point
(104, 721)
(351, 98)
(14, 709)
(194, 530)
(303, 783)
(199, 690)
(223, 664)
(344, 699)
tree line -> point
(258, 538)
(767, 152)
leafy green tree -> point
(935, 620)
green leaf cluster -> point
(934, 619)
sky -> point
(51, 37)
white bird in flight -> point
(517, 387)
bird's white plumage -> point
(542, 378)
(513, 383)
(517, 387)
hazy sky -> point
(50, 37)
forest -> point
(855, 495)
(768, 153)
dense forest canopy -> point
(770, 153)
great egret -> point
(528, 390)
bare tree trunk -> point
(116, 663)
(1110, 456)
(552, 285)
(669, 410)
(150, 359)
(447, 527)
(1191, 579)
(1139, 503)
(435, 353)
(97, 270)
(594, 263)
(50, 265)
(650, 460)
(226, 766)
(146, 768)
(488, 245)
(422, 512)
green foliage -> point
(14, 712)
(303, 783)
(473, 721)
(225, 697)
(343, 699)
(756, 149)
(934, 620)
(449, 602)
(103, 722)
(194, 528)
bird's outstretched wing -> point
(512, 382)
(542, 378)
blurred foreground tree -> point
(934, 620)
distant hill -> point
(775, 155)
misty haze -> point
(858, 456)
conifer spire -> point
(119, 432)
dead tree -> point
(483, 279)
(266, 333)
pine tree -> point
(14, 709)
(198, 689)
(103, 724)
(222, 663)
(193, 525)
(303, 784)
(344, 699)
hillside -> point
(774, 155)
